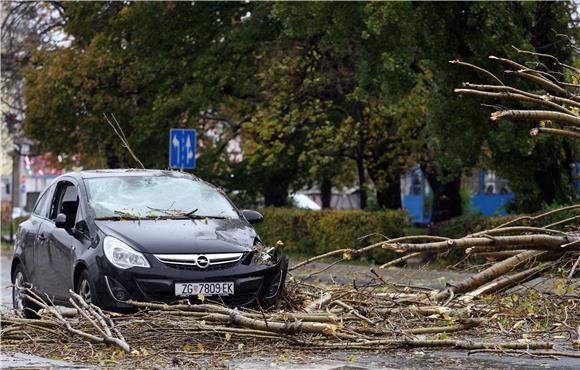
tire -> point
(19, 301)
(283, 271)
(86, 289)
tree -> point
(456, 137)
(323, 99)
(25, 26)
(199, 72)
(550, 102)
(318, 93)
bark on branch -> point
(536, 115)
(543, 241)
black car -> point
(145, 235)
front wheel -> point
(19, 301)
(85, 288)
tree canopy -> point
(316, 94)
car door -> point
(30, 234)
(44, 257)
(62, 242)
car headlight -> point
(263, 255)
(123, 256)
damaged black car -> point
(145, 235)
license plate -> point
(207, 289)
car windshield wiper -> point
(148, 217)
(193, 216)
(182, 214)
(122, 215)
(166, 215)
(119, 218)
(201, 217)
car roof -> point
(128, 172)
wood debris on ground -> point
(490, 311)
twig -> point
(573, 270)
(119, 131)
(400, 259)
(479, 69)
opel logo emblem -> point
(202, 262)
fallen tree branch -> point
(33, 297)
(465, 325)
(526, 352)
(536, 115)
(489, 274)
(556, 99)
(350, 252)
(514, 96)
(399, 260)
(439, 343)
(479, 69)
(554, 131)
(548, 242)
(504, 282)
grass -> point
(5, 229)
(6, 245)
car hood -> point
(182, 236)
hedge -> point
(315, 232)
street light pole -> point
(15, 187)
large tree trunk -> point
(326, 192)
(112, 160)
(555, 179)
(362, 181)
(360, 157)
(275, 194)
(446, 196)
(388, 190)
(389, 195)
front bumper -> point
(157, 283)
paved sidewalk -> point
(12, 360)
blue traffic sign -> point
(182, 148)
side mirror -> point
(82, 227)
(60, 221)
(253, 217)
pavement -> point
(347, 273)
(5, 291)
(343, 360)
(25, 361)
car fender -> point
(86, 260)
(15, 262)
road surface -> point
(5, 291)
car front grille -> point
(200, 262)
(196, 268)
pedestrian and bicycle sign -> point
(182, 148)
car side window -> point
(43, 205)
(66, 200)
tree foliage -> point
(349, 94)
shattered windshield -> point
(156, 196)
